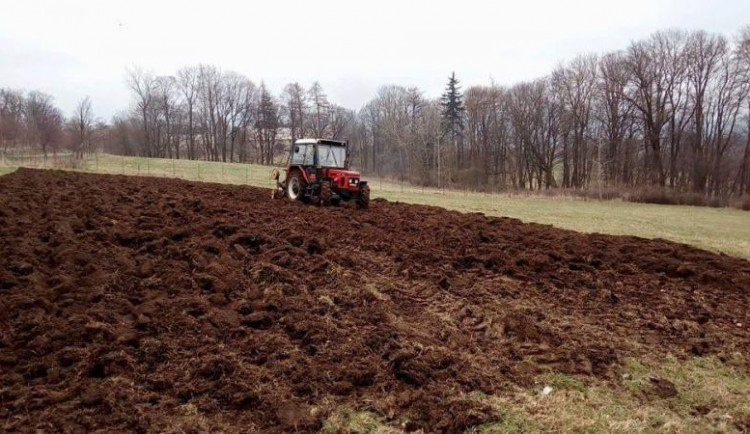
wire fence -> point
(196, 170)
(200, 170)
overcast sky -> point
(71, 49)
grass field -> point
(6, 169)
(724, 230)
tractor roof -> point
(320, 141)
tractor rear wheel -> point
(296, 186)
(363, 200)
(325, 193)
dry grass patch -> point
(709, 396)
(350, 421)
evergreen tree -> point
(452, 122)
(452, 109)
(268, 109)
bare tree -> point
(167, 105)
(730, 91)
(267, 124)
(320, 105)
(187, 81)
(615, 116)
(82, 122)
(742, 181)
(668, 111)
(652, 78)
(576, 85)
(12, 106)
(43, 122)
(143, 86)
(704, 57)
(296, 109)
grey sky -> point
(76, 48)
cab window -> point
(309, 159)
(298, 154)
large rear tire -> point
(296, 186)
(363, 200)
(325, 193)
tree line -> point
(668, 111)
(31, 123)
(202, 112)
(671, 110)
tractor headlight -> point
(353, 181)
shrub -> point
(742, 203)
(665, 196)
(654, 195)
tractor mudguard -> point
(304, 173)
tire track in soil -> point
(150, 304)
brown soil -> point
(152, 304)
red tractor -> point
(318, 173)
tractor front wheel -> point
(296, 186)
(363, 200)
(325, 193)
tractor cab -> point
(318, 172)
(323, 153)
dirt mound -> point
(152, 304)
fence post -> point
(246, 176)
(173, 172)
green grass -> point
(7, 169)
(718, 229)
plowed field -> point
(151, 304)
